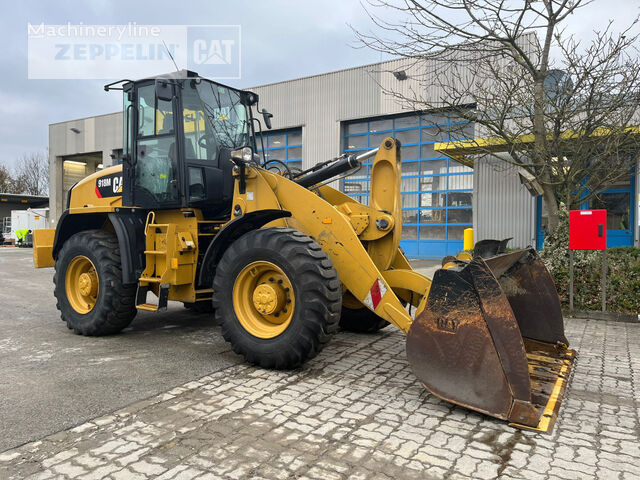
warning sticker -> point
(375, 294)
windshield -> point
(214, 118)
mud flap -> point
(468, 345)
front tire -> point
(277, 297)
(89, 291)
(361, 320)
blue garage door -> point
(436, 191)
(283, 145)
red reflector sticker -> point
(375, 294)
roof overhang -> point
(463, 151)
(27, 200)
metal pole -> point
(571, 280)
(468, 239)
(604, 281)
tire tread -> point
(115, 308)
(320, 297)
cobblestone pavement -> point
(356, 412)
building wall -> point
(101, 134)
(320, 103)
(502, 207)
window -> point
(214, 118)
(436, 191)
(146, 110)
(155, 168)
(618, 207)
(284, 146)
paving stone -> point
(68, 469)
(147, 468)
(355, 412)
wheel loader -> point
(193, 214)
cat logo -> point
(109, 186)
(447, 325)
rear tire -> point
(98, 303)
(199, 307)
(294, 266)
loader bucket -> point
(491, 338)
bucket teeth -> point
(491, 338)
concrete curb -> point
(608, 316)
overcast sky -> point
(280, 40)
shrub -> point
(623, 273)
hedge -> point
(623, 274)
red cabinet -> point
(588, 230)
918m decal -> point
(109, 185)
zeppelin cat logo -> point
(109, 186)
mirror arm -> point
(264, 153)
(242, 186)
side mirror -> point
(267, 118)
(164, 90)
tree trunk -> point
(549, 198)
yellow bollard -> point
(468, 238)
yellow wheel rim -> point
(82, 284)
(263, 299)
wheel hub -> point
(268, 299)
(87, 284)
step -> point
(163, 298)
(147, 307)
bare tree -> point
(32, 174)
(6, 180)
(562, 110)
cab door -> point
(208, 168)
(152, 170)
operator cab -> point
(179, 132)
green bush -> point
(623, 274)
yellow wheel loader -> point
(194, 215)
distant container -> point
(32, 219)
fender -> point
(128, 227)
(230, 232)
(69, 225)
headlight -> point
(244, 154)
